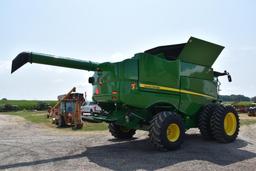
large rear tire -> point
(225, 124)
(204, 121)
(121, 132)
(167, 131)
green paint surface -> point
(180, 80)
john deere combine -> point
(165, 90)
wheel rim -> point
(173, 132)
(230, 123)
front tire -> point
(225, 124)
(77, 126)
(167, 131)
(61, 122)
(121, 132)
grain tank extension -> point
(165, 90)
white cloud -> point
(5, 66)
(57, 81)
(52, 69)
(116, 57)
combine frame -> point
(165, 90)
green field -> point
(241, 103)
(39, 117)
(247, 121)
(27, 104)
(34, 117)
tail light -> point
(97, 91)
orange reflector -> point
(133, 86)
(97, 91)
(114, 98)
(114, 92)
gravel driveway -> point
(26, 146)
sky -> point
(113, 30)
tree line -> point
(15, 105)
(237, 98)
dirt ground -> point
(26, 146)
(244, 116)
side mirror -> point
(91, 80)
(229, 78)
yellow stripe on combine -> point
(156, 87)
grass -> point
(26, 104)
(39, 117)
(242, 103)
(34, 117)
(95, 126)
(227, 103)
(247, 121)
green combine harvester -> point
(165, 90)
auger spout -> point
(40, 58)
